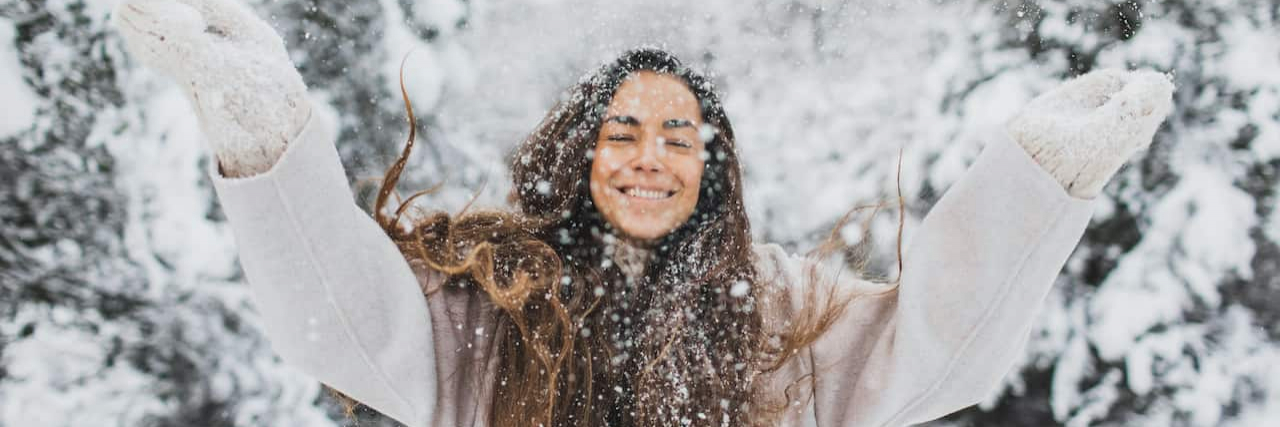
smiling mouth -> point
(646, 193)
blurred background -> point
(122, 303)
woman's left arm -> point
(984, 258)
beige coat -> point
(338, 300)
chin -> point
(646, 232)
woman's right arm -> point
(336, 297)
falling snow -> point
(124, 304)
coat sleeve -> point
(335, 295)
(974, 278)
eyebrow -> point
(677, 123)
(626, 120)
(632, 121)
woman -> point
(625, 289)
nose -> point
(650, 156)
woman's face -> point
(648, 160)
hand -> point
(1085, 129)
(248, 97)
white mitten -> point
(248, 97)
(1085, 129)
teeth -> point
(646, 194)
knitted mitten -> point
(1084, 130)
(248, 97)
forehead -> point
(646, 94)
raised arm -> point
(984, 258)
(335, 295)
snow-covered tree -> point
(1167, 313)
(120, 299)
(121, 302)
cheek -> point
(608, 160)
(604, 162)
(691, 172)
(599, 179)
(691, 176)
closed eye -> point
(621, 137)
(679, 143)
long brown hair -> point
(582, 344)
